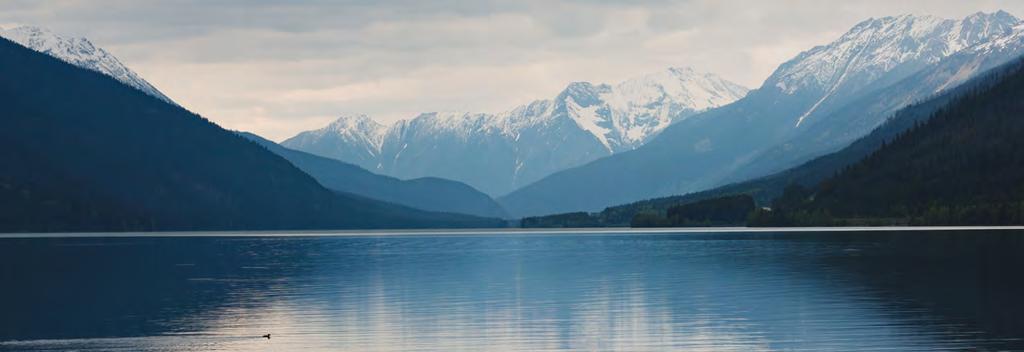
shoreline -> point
(598, 231)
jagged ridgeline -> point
(83, 152)
(497, 153)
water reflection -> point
(712, 292)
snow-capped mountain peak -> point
(981, 26)
(628, 114)
(357, 129)
(699, 91)
(357, 139)
(355, 122)
(890, 47)
(79, 52)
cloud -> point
(279, 67)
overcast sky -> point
(280, 67)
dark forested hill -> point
(964, 165)
(683, 211)
(724, 211)
(428, 193)
(79, 151)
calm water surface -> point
(925, 291)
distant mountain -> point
(813, 104)
(353, 139)
(433, 194)
(497, 153)
(83, 152)
(79, 52)
(962, 166)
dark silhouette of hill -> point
(82, 152)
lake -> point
(767, 291)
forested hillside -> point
(964, 166)
(81, 151)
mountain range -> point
(769, 189)
(813, 104)
(672, 137)
(85, 152)
(498, 153)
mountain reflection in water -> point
(692, 291)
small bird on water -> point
(267, 336)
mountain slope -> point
(812, 105)
(961, 167)
(497, 153)
(84, 152)
(433, 194)
(79, 52)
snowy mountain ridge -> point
(626, 114)
(873, 48)
(596, 119)
(632, 112)
(79, 52)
